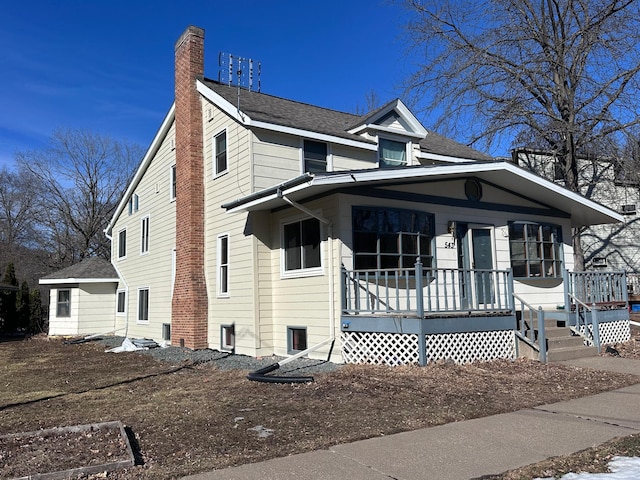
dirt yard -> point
(184, 419)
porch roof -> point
(506, 175)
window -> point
(63, 308)
(391, 238)
(121, 306)
(391, 153)
(315, 156)
(227, 337)
(144, 235)
(223, 265)
(122, 243)
(143, 305)
(296, 339)
(302, 245)
(172, 183)
(220, 153)
(166, 332)
(535, 250)
(134, 203)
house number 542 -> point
(449, 244)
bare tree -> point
(82, 176)
(557, 75)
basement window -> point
(227, 337)
(296, 339)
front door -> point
(476, 258)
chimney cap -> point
(190, 31)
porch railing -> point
(586, 293)
(420, 291)
(532, 321)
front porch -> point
(420, 315)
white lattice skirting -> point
(611, 332)
(397, 349)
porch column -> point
(422, 340)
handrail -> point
(595, 325)
(541, 344)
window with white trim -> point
(122, 243)
(144, 235)
(63, 306)
(315, 156)
(220, 153)
(223, 265)
(121, 302)
(296, 339)
(391, 153)
(227, 337)
(536, 250)
(172, 183)
(301, 245)
(143, 305)
(391, 238)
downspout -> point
(126, 290)
(260, 375)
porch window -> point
(301, 245)
(315, 156)
(535, 250)
(391, 238)
(63, 308)
(392, 153)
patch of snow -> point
(622, 468)
(261, 431)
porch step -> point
(562, 344)
(571, 353)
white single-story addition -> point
(82, 298)
(265, 226)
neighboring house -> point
(260, 225)
(607, 181)
(82, 298)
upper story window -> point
(220, 153)
(122, 243)
(535, 250)
(392, 153)
(301, 244)
(172, 183)
(391, 238)
(315, 156)
(144, 235)
(134, 203)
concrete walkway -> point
(469, 449)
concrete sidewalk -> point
(469, 449)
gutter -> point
(261, 374)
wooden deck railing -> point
(423, 291)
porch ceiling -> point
(502, 174)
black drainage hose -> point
(260, 375)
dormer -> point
(396, 131)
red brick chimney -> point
(189, 304)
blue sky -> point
(108, 66)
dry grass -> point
(188, 419)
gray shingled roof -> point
(93, 267)
(289, 113)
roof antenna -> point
(244, 75)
